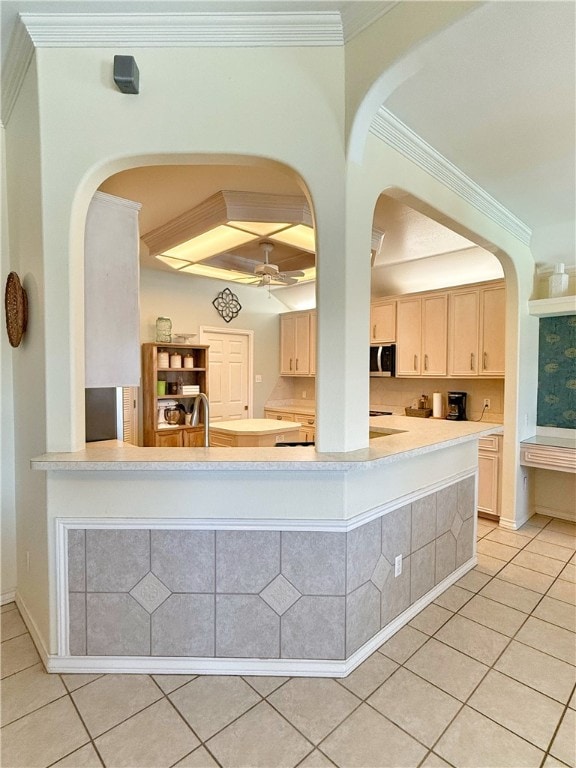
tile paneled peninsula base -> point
(286, 601)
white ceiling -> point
(495, 94)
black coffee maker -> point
(456, 406)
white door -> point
(229, 360)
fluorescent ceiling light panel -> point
(174, 263)
(260, 228)
(214, 241)
(299, 236)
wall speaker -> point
(126, 74)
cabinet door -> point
(434, 335)
(193, 438)
(383, 323)
(463, 333)
(493, 311)
(278, 415)
(488, 483)
(313, 343)
(169, 439)
(302, 331)
(287, 344)
(408, 337)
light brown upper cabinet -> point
(421, 335)
(383, 322)
(296, 344)
(477, 321)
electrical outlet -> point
(258, 378)
(397, 565)
(487, 403)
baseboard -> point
(557, 513)
(7, 597)
(172, 665)
(34, 632)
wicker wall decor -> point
(16, 305)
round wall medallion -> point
(16, 304)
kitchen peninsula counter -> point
(412, 437)
(254, 560)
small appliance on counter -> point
(162, 406)
(456, 406)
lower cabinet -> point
(180, 438)
(489, 463)
(307, 430)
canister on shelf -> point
(163, 359)
(188, 361)
(163, 330)
(175, 360)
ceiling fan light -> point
(217, 240)
(298, 236)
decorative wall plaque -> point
(227, 305)
(16, 305)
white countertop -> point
(551, 442)
(305, 407)
(415, 437)
(254, 426)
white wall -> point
(29, 404)
(7, 499)
(187, 300)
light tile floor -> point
(484, 677)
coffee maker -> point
(456, 406)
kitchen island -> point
(254, 561)
(251, 433)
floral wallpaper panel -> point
(557, 372)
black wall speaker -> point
(126, 74)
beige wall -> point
(188, 302)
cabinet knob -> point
(471, 361)
(425, 362)
(415, 362)
(485, 361)
(290, 363)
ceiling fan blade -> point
(293, 273)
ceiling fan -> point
(270, 274)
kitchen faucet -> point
(201, 398)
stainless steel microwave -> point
(383, 360)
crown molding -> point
(396, 134)
(356, 19)
(153, 30)
(13, 73)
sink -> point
(376, 433)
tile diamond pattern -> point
(381, 572)
(150, 592)
(456, 526)
(280, 595)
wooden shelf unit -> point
(179, 435)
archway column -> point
(343, 231)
